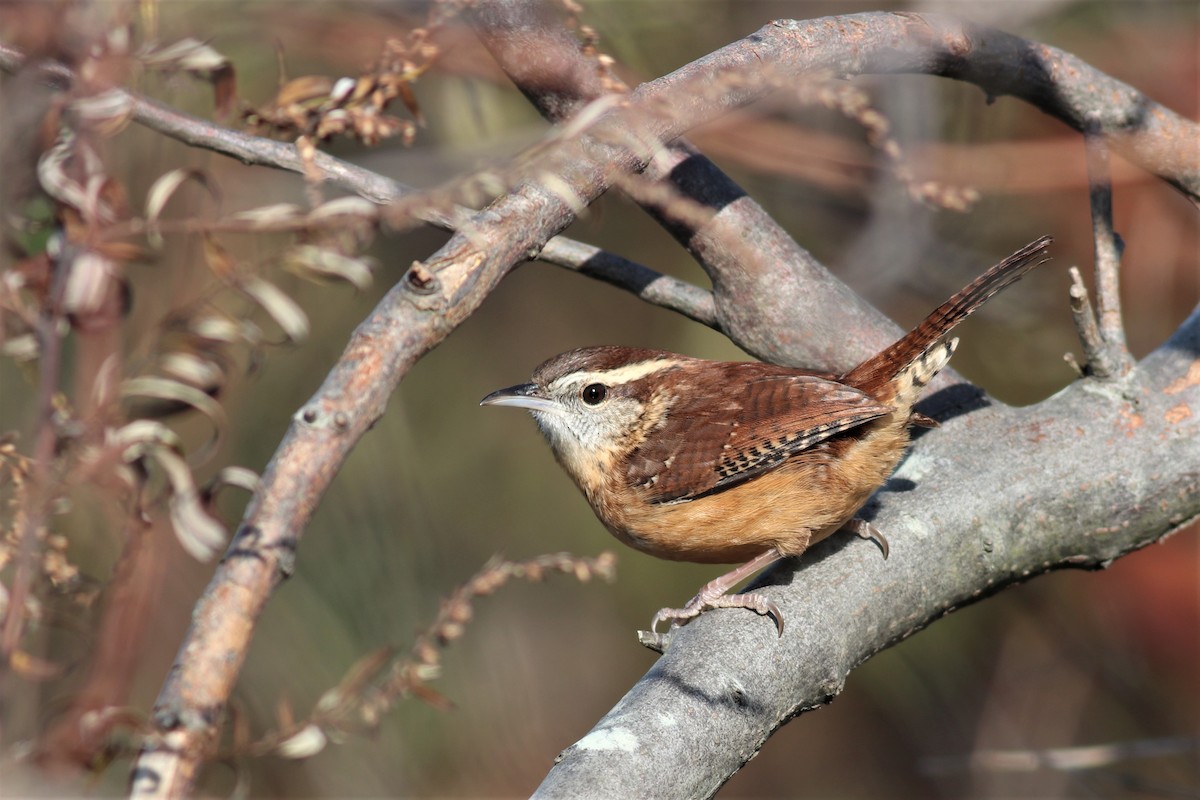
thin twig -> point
(378, 681)
(1095, 354)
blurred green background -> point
(440, 485)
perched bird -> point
(724, 462)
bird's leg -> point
(866, 530)
(714, 595)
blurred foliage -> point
(439, 486)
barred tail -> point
(920, 354)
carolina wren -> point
(723, 462)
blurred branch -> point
(1065, 759)
(32, 521)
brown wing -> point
(750, 421)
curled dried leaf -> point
(175, 394)
(345, 206)
(284, 310)
(137, 434)
(106, 113)
(201, 535)
(215, 329)
(200, 61)
(302, 91)
(21, 348)
(52, 172)
(187, 54)
(167, 184)
(322, 263)
(156, 397)
(89, 282)
(194, 370)
(342, 90)
(238, 477)
(278, 213)
(305, 744)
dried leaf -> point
(308, 742)
(52, 172)
(283, 309)
(143, 432)
(365, 670)
(175, 393)
(194, 370)
(431, 697)
(21, 348)
(164, 189)
(239, 477)
(157, 397)
(318, 262)
(106, 113)
(186, 54)
(299, 91)
(342, 90)
(404, 88)
(218, 259)
(345, 206)
(199, 60)
(277, 213)
(224, 83)
(201, 535)
(88, 283)
(215, 329)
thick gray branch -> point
(990, 499)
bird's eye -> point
(594, 393)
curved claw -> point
(866, 530)
(774, 611)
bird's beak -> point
(523, 395)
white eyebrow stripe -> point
(619, 375)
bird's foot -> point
(702, 602)
(866, 530)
